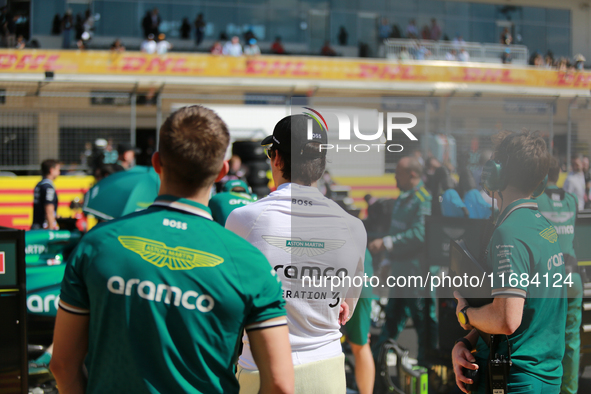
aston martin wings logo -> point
(179, 258)
(299, 247)
(550, 234)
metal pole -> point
(132, 123)
(447, 116)
(158, 118)
(569, 132)
(551, 131)
(426, 137)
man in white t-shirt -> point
(304, 234)
(232, 48)
(163, 46)
(575, 182)
(149, 45)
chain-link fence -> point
(70, 122)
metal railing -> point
(411, 49)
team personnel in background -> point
(404, 248)
(304, 234)
(234, 195)
(45, 197)
(560, 208)
(157, 301)
(357, 330)
(575, 182)
(125, 158)
(530, 317)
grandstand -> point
(54, 101)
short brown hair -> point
(48, 165)
(524, 157)
(554, 171)
(193, 143)
(306, 169)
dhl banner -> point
(16, 194)
(292, 67)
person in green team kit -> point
(234, 195)
(528, 313)
(560, 208)
(404, 248)
(357, 329)
(156, 302)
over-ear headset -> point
(495, 180)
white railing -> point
(412, 49)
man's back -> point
(169, 293)
(526, 260)
(43, 194)
(304, 234)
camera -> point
(498, 373)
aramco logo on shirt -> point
(299, 247)
(549, 234)
(178, 258)
(379, 138)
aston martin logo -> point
(160, 255)
(550, 234)
(454, 233)
(299, 247)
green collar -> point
(404, 194)
(183, 204)
(521, 203)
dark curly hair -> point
(524, 157)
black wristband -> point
(466, 342)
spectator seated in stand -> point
(252, 49)
(232, 48)
(216, 49)
(117, 46)
(327, 50)
(149, 46)
(277, 47)
(163, 46)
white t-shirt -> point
(231, 49)
(163, 47)
(303, 233)
(575, 184)
(149, 46)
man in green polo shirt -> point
(560, 208)
(524, 255)
(156, 302)
(404, 249)
(234, 195)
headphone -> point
(494, 179)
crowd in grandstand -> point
(14, 33)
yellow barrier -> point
(16, 197)
(292, 67)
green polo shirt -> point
(406, 242)
(169, 293)
(223, 203)
(560, 208)
(526, 244)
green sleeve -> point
(509, 258)
(263, 288)
(74, 290)
(412, 240)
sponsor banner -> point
(16, 198)
(292, 67)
